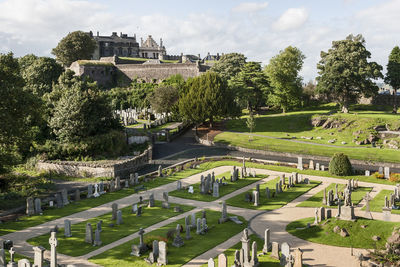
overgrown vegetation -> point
(340, 165)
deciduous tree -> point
(393, 73)
(229, 65)
(345, 73)
(76, 45)
(283, 75)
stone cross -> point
(67, 228)
(162, 256)
(89, 234)
(12, 252)
(38, 206)
(316, 219)
(53, 248)
(96, 190)
(267, 241)
(38, 257)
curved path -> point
(276, 221)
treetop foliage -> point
(229, 65)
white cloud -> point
(250, 7)
(291, 19)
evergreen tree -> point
(393, 73)
(345, 73)
(229, 65)
(283, 75)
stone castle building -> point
(126, 46)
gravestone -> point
(267, 242)
(139, 211)
(386, 214)
(64, 195)
(67, 228)
(96, 190)
(237, 261)
(254, 259)
(24, 263)
(258, 188)
(126, 183)
(328, 213)
(89, 234)
(216, 190)
(300, 163)
(187, 230)
(90, 191)
(132, 179)
(298, 258)
(322, 214)
(178, 185)
(142, 248)
(380, 170)
(112, 186)
(311, 165)
(97, 238)
(30, 209)
(178, 241)
(222, 260)
(193, 220)
(134, 208)
(98, 225)
(151, 200)
(159, 171)
(276, 188)
(2, 257)
(347, 213)
(117, 183)
(267, 192)
(114, 208)
(367, 173)
(245, 246)
(165, 203)
(256, 198)
(317, 166)
(156, 250)
(204, 226)
(101, 188)
(387, 172)
(316, 218)
(187, 221)
(191, 189)
(38, 256)
(285, 251)
(38, 206)
(224, 214)
(162, 256)
(53, 249)
(275, 250)
(119, 217)
(323, 168)
(77, 195)
(324, 197)
(198, 228)
(210, 262)
(339, 208)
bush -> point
(377, 175)
(340, 165)
(394, 177)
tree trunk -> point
(283, 110)
(211, 122)
(345, 107)
(394, 102)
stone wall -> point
(120, 168)
(386, 100)
(103, 73)
(159, 72)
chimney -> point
(120, 34)
(161, 44)
(97, 33)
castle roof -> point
(150, 43)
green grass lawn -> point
(218, 233)
(358, 237)
(297, 124)
(316, 200)
(223, 190)
(76, 245)
(274, 202)
(378, 202)
(264, 260)
(84, 204)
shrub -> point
(340, 165)
(394, 177)
(377, 175)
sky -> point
(257, 29)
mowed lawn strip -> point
(218, 233)
(76, 245)
(316, 200)
(223, 189)
(358, 237)
(272, 203)
(378, 202)
(264, 260)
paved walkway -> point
(276, 221)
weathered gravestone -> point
(267, 242)
(89, 234)
(162, 256)
(67, 228)
(77, 195)
(30, 209)
(38, 206)
(178, 241)
(38, 256)
(64, 195)
(299, 163)
(97, 238)
(119, 217)
(275, 250)
(114, 208)
(90, 191)
(151, 200)
(216, 190)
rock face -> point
(392, 251)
